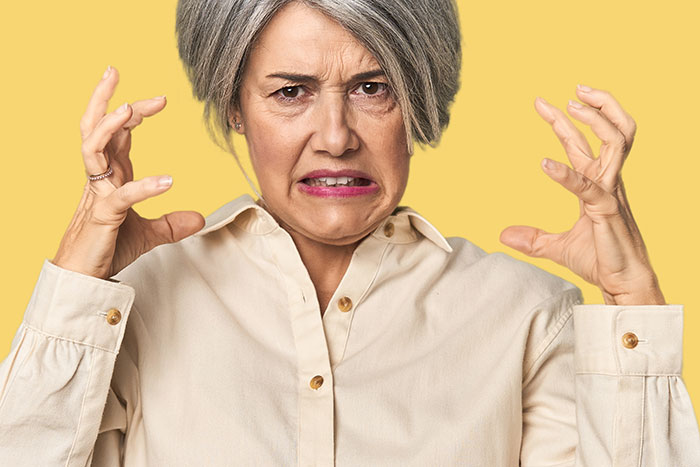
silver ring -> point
(106, 174)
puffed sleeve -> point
(606, 390)
(55, 382)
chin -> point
(336, 227)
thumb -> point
(175, 226)
(533, 242)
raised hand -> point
(604, 246)
(106, 234)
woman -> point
(324, 324)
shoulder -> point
(509, 278)
(172, 265)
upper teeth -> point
(333, 181)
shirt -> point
(213, 351)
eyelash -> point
(288, 100)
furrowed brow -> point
(301, 78)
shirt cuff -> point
(638, 340)
(81, 308)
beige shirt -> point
(213, 352)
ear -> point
(234, 117)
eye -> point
(290, 92)
(372, 88)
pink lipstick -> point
(337, 183)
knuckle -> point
(607, 207)
(619, 141)
(584, 184)
(87, 147)
(84, 127)
(124, 193)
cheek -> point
(386, 141)
(274, 149)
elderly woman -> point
(322, 324)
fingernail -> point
(107, 72)
(547, 163)
(123, 108)
(538, 98)
(583, 88)
(167, 180)
(161, 97)
(575, 104)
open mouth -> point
(336, 181)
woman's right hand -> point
(106, 234)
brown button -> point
(114, 316)
(388, 229)
(344, 304)
(630, 340)
(316, 382)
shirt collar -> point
(247, 215)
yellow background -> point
(484, 176)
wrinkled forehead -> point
(302, 39)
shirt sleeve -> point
(607, 391)
(55, 382)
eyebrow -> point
(300, 78)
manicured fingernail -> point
(547, 163)
(165, 181)
(107, 72)
(575, 104)
(123, 108)
(583, 88)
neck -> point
(325, 263)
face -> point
(325, 135)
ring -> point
(105, 174)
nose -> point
(334, 134)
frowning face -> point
(325, 135)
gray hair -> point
(416, 42)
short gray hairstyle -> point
(416, 43)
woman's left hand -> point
(604, 246)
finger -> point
(93, 146)
(141, 109)
(614, 147)
(599, 203)
(145, 108)
(534, 242)
(135, 191)
(174, 226)
(575, 144)
(97, 105)
(613, 111)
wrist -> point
(645, 292)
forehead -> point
(302, 38)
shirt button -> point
(114, 316)
(344, 304)
(630, 340)
(389, 229)
(316, 382)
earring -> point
(237, 125)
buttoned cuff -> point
(628, 340)
(81, 308)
